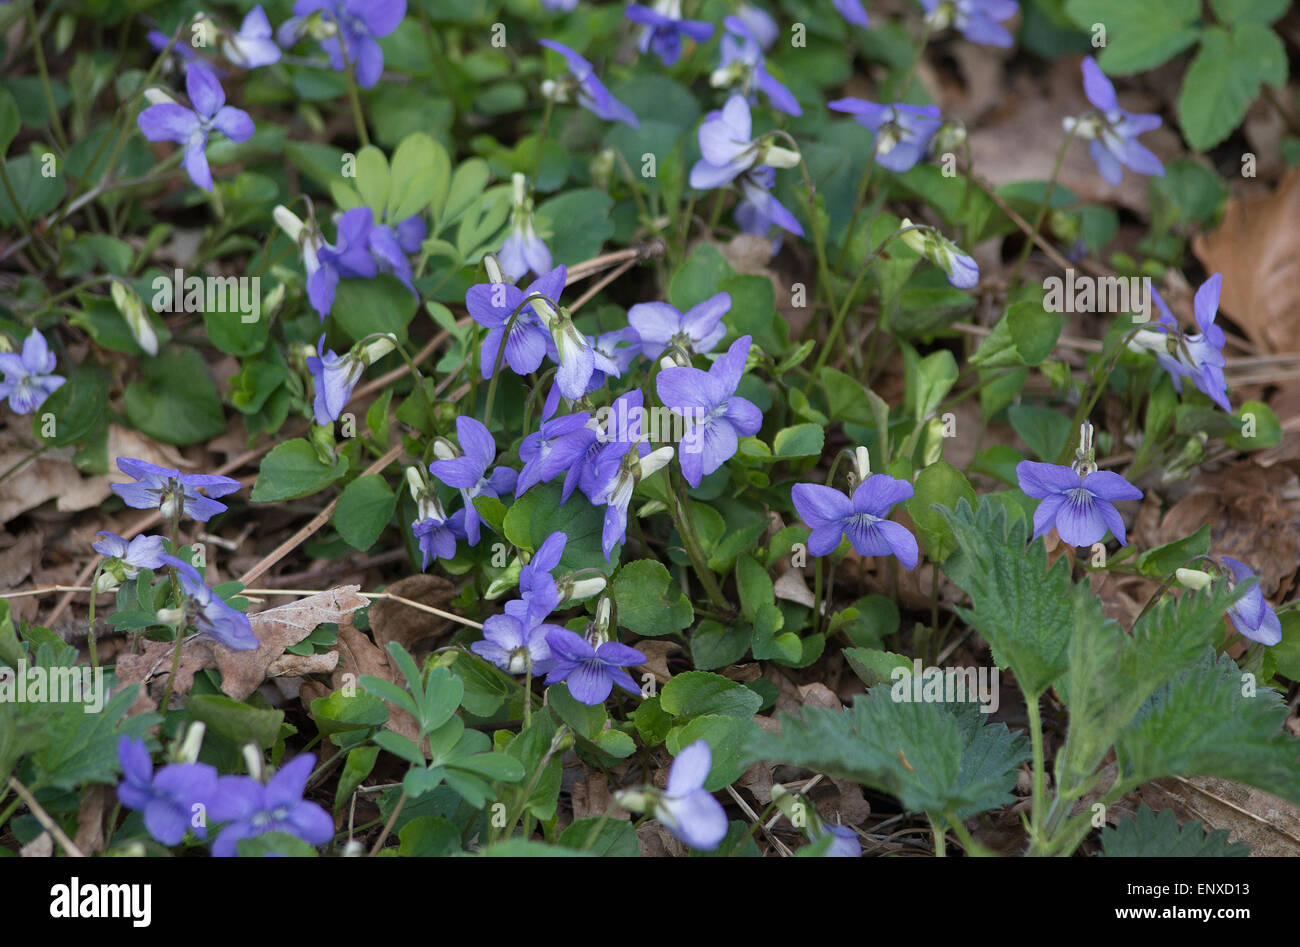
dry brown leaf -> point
(1257, 249)
(17, 561)
(90, 820)
(1269, 825)
(393, 621)
(242, 672)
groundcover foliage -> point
(550, 427)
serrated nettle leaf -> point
(1023, 609)
(1113, 673)
(1147, 835)
(933, 759)
(1212, 720)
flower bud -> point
(288, 222)
(189, 749)
(132, 309)
(253, 760)
(572, 589)
(1193, 578)
(376, 349)
(653, 461)
(506, 580)
(494, 271)
(633, 800)
(171, 616)
(158, 97)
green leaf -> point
(928, 380)
(420, 173)
(236, 721)
(274, 843)
(364, 509)
(1139, 36)
(715, 645)
(428, 836)
(699, 277)
(1147, 835)
(338, 712)
(649, 603)
(726, 736)
(9, 121)
(802, 440)
(1287, 651)
(79, 408)
(874, 666)
(1044, 430)
(1253, 11)
(696, 693)
(175, 401)
(754, 585)
(940, 483)
(358, 765)
(1218, 87)
(293, 470)
(1112, 673)
(1034, 330)
(1022, 608)
(580, 223)
(607, 838)
(1208, 722)
(365, 306)
(1160, 562)
(587, 720)
(931, 758)
(538, 513)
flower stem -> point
(681, 517)
(1039, 797)
(90, 625)
(358, 117)
(1042, 210)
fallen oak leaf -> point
(242, 672)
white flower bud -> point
(189, 751)
(253, 760)
(132, 309)
(288, 222)
(376, 349)
(158, 97)
(1193, 578)
(653, 461)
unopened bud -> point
(1193, 578)
(189, 750)
(132, 309)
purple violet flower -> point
(1114, 132)
(207, 614)
(697, 331)
(491, 306)
(511, 646)
(142, 552)
(758, 210)
(168, 121)
(438, 534)
(664, 29)
(976, 19)
(853, 12)
(29, 378)
(742, 64)
(468, 472)
(333, 377)
(863, 518)
(589, 91)
(845, 842)
(902, 132)
(1081, 508)
(161, 488)
(716, 417)
(1198, 356)
(555, 448)
(360, 23)
(591, 672)
(1252, 615)
(252, 808)
(686, 808)
(166, 798)
(759, 23)
(253, 45)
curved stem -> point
(1042, 210)
(501, 349)
(681, 517)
